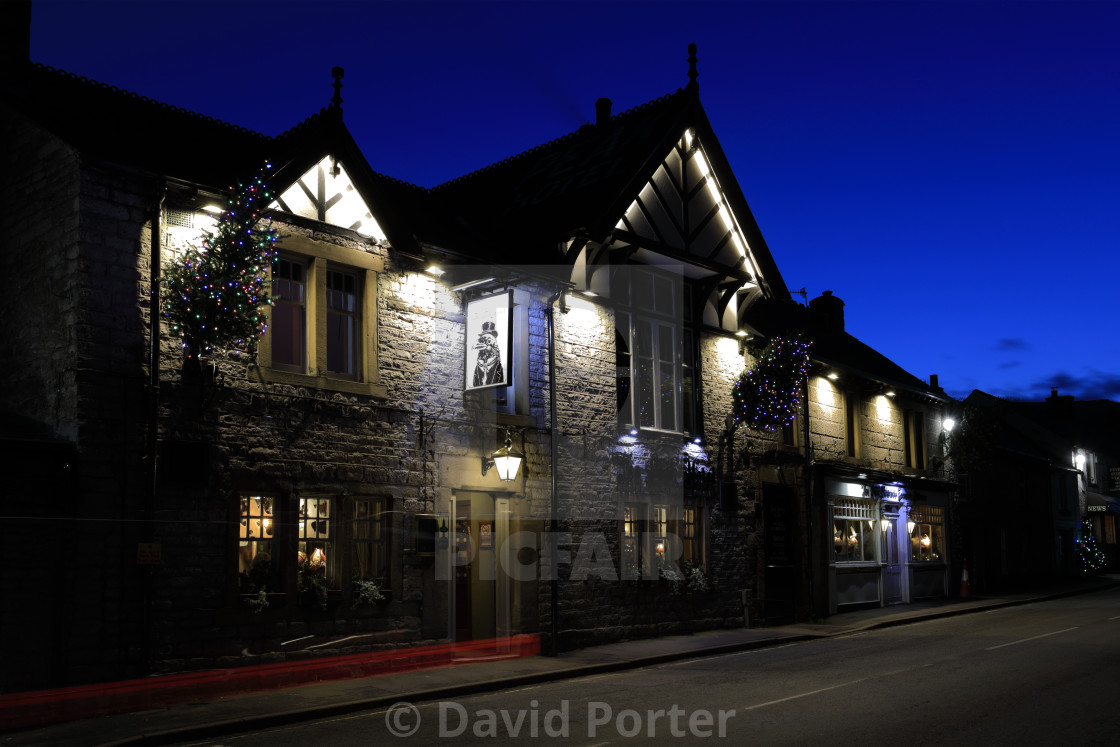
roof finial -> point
(692, 74)
(336, 100)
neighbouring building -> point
(588, 304)
(1038, 477)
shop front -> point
(887, 542)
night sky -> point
(950, 169)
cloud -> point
(1008, 344)
(1094, 385)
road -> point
(1042, 673)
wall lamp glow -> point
(910, 524)
(885, 524)
(1080, 460)
(833, 375)
(507, 460)
(948, 424)
(434, 270)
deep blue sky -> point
(950, 169)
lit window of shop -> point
(316, 552)
(369, 540)
(853, 531)
(927, 541)
(256, 570)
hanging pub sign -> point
(489, 338)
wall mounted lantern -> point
(885, 523)
(911, 522)
(507, 460)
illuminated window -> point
(660, 530)
(853, 531)
(927, 541)
(256, 569)
(316, 550)
(632, 556)
(690, 536)
(655, 355)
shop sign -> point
(489, 336)
(1114, 482)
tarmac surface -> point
(211, 717)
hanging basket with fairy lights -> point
(215, 294)
(767, 395)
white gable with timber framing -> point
(326, 194)
(682, 218)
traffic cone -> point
(966, 590)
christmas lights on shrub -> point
(215, 295)
(1089, 554)
(767, 396)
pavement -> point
(209, 717)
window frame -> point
(852, 423)
(632, 309)
(926, 518)
(914, 438)
(320, 258)
(858, 514)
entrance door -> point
(475, 566)
(779, 520)
(892, 568)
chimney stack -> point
(602, 111)
(827, 312)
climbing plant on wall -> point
(767, 395)
(215, 294)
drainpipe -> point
(554, 509)
(146, 529)
(809, 488)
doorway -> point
(481, 588)
(892, 568)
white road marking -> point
(802, 695)
(1032, 638)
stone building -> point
(860, 484)
(181, 512)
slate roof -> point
(582, 183)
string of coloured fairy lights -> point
(216, 294)
(767, 396)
